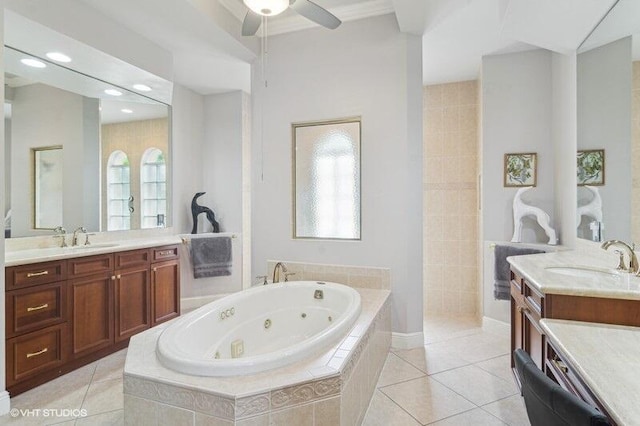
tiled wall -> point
(450, 198)
(353, 276)
(635, 153)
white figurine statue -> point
(521, 210)
(593, 208)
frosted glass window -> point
(326, 171)
(118, 192)
(154, 184)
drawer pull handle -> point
(118, 276)
(37, 308)
(37, 274)
(155, 269)
(165, 253)
(37, 353)
(560, 365)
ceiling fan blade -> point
(317, 14)
(251, 23)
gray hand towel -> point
(211, 257)
(502, 275)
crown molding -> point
(350, 12)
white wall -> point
(564, 137)
(604, 122)
(516, 117)
(364, 68)
(222, 159)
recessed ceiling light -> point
(57, 56)
(113, 92)
(126, 110)
(142, 87)
(33, 63)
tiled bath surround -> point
(450, 198)
(335, 388)
(353, 276)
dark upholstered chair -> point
(547, 403)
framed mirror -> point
(47, 187)
(99, 130)
(608, 112)
(326, 179)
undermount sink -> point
(95, 246)
(583, 271)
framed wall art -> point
(520, 169)
(591, 167)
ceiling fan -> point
(306, 8)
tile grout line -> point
(398, 405)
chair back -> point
(547, 403)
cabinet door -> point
(132, 295)
(91, 313)
(533, 337)
(165, 290)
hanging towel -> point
(211, 257)
(501, 290)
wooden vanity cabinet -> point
(165, 271)
(90, 303)
(132, 293)
(527, 306)
(62, 315)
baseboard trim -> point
(5, 402)
(490, 324)
(407, 340)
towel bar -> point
(186, 240)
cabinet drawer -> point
(534, 299)
(133, 258)
(35, 307)
(38, 273)
(90, 265)
(164, 253)
(35, 352)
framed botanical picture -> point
(520, 169)
(591, 167)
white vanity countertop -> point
(36, 255)
(606, 358)
(618, 285)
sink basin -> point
(583, 271)
(95, 246)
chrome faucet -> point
(74, 241)
(60, 233)
(633, 268)
(276, 272)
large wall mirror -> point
(113, 145)
(608, 103)
(326, 179)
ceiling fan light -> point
(267, 7)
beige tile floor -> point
(460, 377)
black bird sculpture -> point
(196, 209)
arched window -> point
(118, 192)
(153, 188)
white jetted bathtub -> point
(259, 329)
